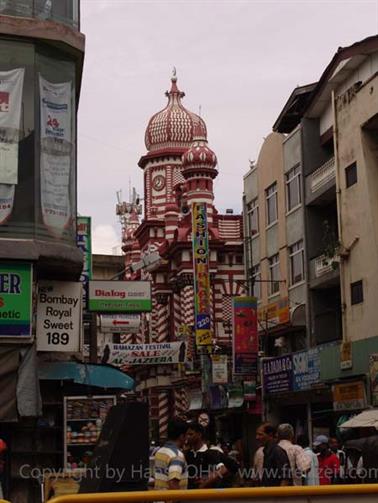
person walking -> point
(311, 478)
(300, 463)
(170, 468)
(329, 464)
(276, 465)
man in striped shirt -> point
(170, 466)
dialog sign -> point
(59, 316)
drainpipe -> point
(344, 324)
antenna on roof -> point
(199, 110)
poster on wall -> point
(56, 154)
(373, 371)
(202, 293)
(245, 339)
(11, 86)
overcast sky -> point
(237, 60)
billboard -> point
(119, 296)
(202, 297)
(245, 339)
(16, 283)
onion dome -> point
(173, 126)
(199, 154)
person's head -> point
(195, 435)
(321, 444)
(285, 432)
(265, 433)
(334, 444)
(177, 431)
(303, 440)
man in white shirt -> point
(300, 462)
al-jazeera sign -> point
(202, 300)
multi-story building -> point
(318, 167)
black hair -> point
(198, 428)
(269, 429)
(176, 428)
(303, 440)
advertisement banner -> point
(144, 354)
(250, 390)
(120, 296)
(16, 284)
(219, 368)
(56, 154)
(306, 369)
(373, 371)
(245, 340)
(59, 316)
(202, 294)
(84, 242)
(273, 314)
(349, 396)
(11, 86)
(119, 323)
(278, 374)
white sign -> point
(6, 201)
(119, 323)
(55, 110)
(219, 365)
(59, 316)
(145, 354)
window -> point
(253, 217)
(296, 262)
(271, 203)
(256, 276)
(357, 293)
(274, 274)
(351, 174)
(293, 188)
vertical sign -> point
(219, 367)
(15, 300)
(202, 300)
(245, 341)
(84, 242)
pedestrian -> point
(207, 467)
(276, 465)
(170, 468)
(311, 478)
(300, 463)
(329, 464)
(258, 466)
(334, 445)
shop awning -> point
(367, 419)
(101, 376)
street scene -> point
(211, 325)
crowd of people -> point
(189, 461)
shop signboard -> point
(84, 242)
(202, 294)
(219, 367)
(144, 354)
(249, 390)
(245, 339)
(119, 296)
(349, 396)
(278, 374)
(373, 371)
(59, 316)
(274, 314)
(119, 323)
(15, 300)
(306, 369)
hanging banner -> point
(245, 339)
(373, 371)
(56, 154)
(11, 86)
(219, 367)
(144, 354)
(202, 294)
(84, 242)
(15, 300)
(59, 316)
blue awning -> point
(102, 376)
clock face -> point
(158, 182)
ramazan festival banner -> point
(144, 354)
(11, 85)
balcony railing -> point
(324, 265)
(323, 175)
(61, 11)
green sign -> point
(120, 296)
(15, 300)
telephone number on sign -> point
(58, 338)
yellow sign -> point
(349, 396)
(275, 313)
(204, 337)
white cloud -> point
(105, 240)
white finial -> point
(174, 76)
